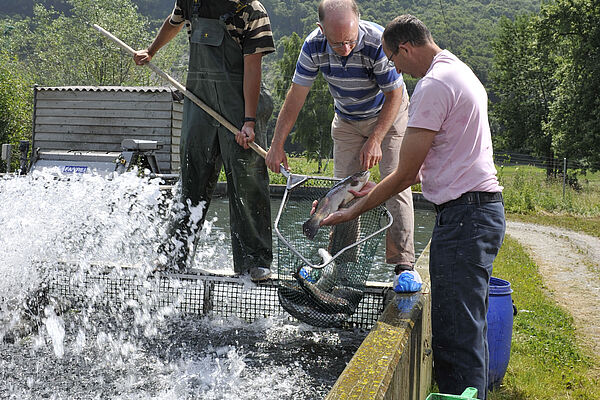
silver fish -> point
(328, 302)
(296, 304)
(333, 200)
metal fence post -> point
(564, 176)
(6, 153)
(23, 150)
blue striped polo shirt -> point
(357, 81)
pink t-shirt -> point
(450, 99)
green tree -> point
(547, 78)
(523, 84)
(15, 103)
(312, 129)
(573, 27)
(65, 50)
(464, 27)
(289, 17)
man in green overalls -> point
(227, 41)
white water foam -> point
(136, 350)
(55, 327)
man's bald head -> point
(331, 7)
(339, 21)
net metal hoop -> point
(292, 182)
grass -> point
(528, 195)
(546, 361)
(528, 192)
(300, 166)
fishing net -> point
(322, 280)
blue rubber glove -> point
(307, 274)
(407, 282)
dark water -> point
(186, 358)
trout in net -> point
(333, 200)
(322, 271)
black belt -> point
(471, 198)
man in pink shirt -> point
(448, 148)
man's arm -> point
(252, 77)
(415, 146)
(371, 154)
(166, 33)
(294, 100)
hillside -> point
(461, 26)
(155, 9)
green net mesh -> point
(322, 281)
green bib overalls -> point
(216, 72)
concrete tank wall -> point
(394, 361)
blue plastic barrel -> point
(499, 335)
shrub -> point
(15, 104)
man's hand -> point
(164, 35)
(245, 135)
(142, 57)
(336, 217)
(363, 192)
(275, 157)
(166, 32)
(341, 215)
(370, 154)
(365, 189)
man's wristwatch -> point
(249, 119)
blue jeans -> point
(466, 239)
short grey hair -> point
(332, 5)
(406, 28)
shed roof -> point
(150, 89)
(176, 94)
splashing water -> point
(55, 327)
(86, 218)
(138, 349)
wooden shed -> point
(98, 118)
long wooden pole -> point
(259, 150)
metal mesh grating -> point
(189, 294)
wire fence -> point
(568, 173)
(558, 165)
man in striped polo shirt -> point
(227, 41)
(371, 109)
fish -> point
(352, 294)
(296, 305)
(328, 302)
(335, 198)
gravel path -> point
(569, 263)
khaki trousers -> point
(348, 139)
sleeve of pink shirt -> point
(429, 105)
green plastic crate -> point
(469, 393)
